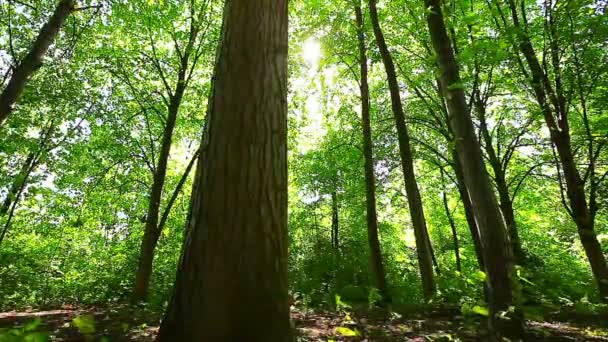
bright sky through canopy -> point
(311, 51)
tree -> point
(423, 242)
(370, 179)
(554, 99)
(497, 251)
(33, 60)
(499, 162)
(187, 58)
(232, 281)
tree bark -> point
(232, 281)
(555, 114)
(152, 230)
(376, 261)
(9, 205)
(448, 214)
(335, 221)
(497, 252)
(21, 178)
(468, 211)
(423, 247)
(33, 60)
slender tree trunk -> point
(497, 252)
(423, 247)
(11, 212)
(9, 205)
(448, 214)
(506, 207)
(434, 259)
(506, 204)
(232, 281)
(376, 261)
(33, 60)
(468, 212)
(335, 221)
(556, 118)
(17, 183)
(152, 229)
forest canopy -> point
(230, 167)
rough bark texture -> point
(497, 252)
(555, 113)
(33, 60)
(376, 261)
(423, 247)
(232, 280)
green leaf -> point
(31, 326)
(344, 331)
(480, 310)
(85, 324)
(480, 276)
(36, 337)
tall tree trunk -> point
(152, 230)
(506, 204)
(232, 281)
(555, 114)
(33, 60)
(448, 214)
(423, 247)
(335, 221)
(376, 261)
(497, 252)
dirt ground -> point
(127, 323)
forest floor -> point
(128, 323)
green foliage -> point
(85, 324)
(30, 332)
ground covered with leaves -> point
(129, 323)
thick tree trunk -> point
(376, 261)
(497, 252)
(423, 247)
(556, 119)
(232, 281)
(335, 221)
(506, 204)
(33, 60)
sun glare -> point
(311, 52)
